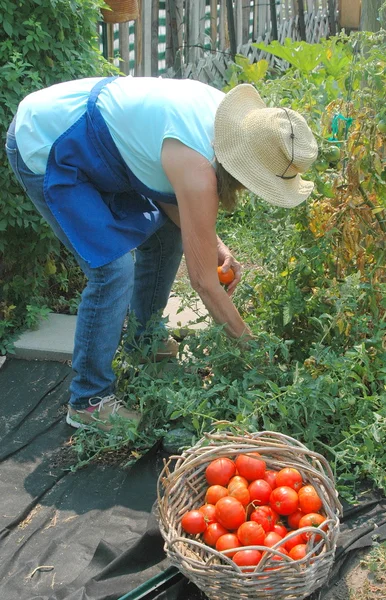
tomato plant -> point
(284, 500)
(230, 512)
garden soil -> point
(92, 534)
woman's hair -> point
(227, 188)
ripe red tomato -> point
(294, 518)
(220, 471)
(227, 542)
(251, 534)
(241, 493)
(270, 477)
(208, 510)
(276, 557)
(293, 541)
(247, 558)
(272, 538)
(298, 552)
(311, 520)
(280, 529)
(272, 515)
(236, 481)
(193, 522)
(230, 512)
(289, 477)
(284, 500)
(259, 491)
(251, 466)
(309, 501)
(259, 517)
(212, 533)
(214, 493)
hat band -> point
(292, 136)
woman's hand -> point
(227, 261)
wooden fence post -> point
(154, 37)
(138, 43)
(213, 24)
(272, 5)
(124, 51)
(302, 24)
(231, 28)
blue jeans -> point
(141, 281)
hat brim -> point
(237, 105)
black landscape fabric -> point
(92, 534)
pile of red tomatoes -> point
(247, 504)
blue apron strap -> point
(95, 92)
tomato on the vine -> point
(290, 477)
(309, 500)
(284, 500)
(220, 471)
(251, 534)
(230, 512)
(251, 466)
(193, 522)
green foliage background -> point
(42, 42)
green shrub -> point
(42, 42)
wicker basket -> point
(121, 11)
(183, 488)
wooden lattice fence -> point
(193, 38)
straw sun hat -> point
(264, 148)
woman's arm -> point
(195, 185)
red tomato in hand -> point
(294, 518)
(251, 534)
(230, 512)
(247, 558)
(259, 491)
(214, 493)
(309, 501)
(251, 466)
(209, 511)
(212, 533)
(270, 477)
(220, 471)
(193, 522)
(289, 477)
(284, 500)
(227, 542)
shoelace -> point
(112, 399)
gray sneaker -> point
(101, 414)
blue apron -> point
(102, 207)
